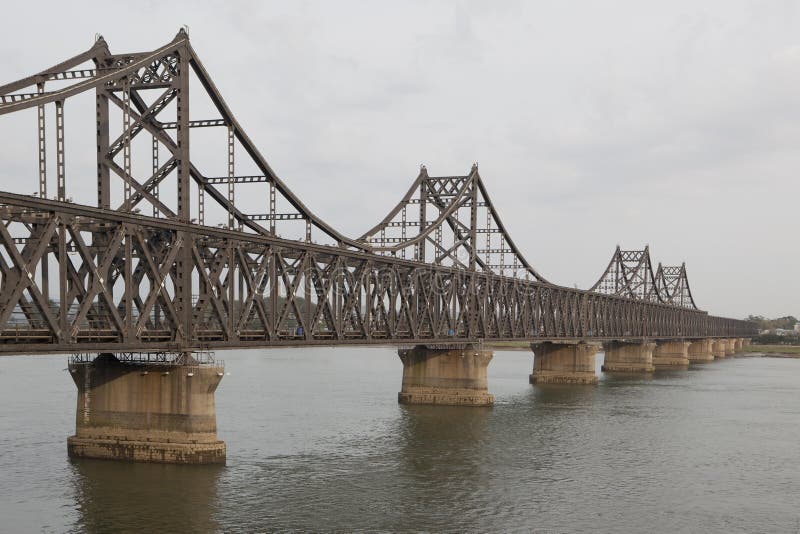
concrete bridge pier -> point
(746, 342)
(625, 357)
(730, 347)
(445, 376)
(563, 363)
(145, 411)
(671, 354)
(718, 347)
(737, 344)
(700, 351)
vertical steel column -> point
(366, 303)
(62, 281)
(42, 146)
(273, 290)
(128, 280)
(230, 280)
(403, 231)
(155, 170)
(488, 236)
(242, 267)
(183, 278)
(103, 172)
(456, 231)
(230, 177)
(201, 204)
(45, 274)
(100, 236)
(272, 207)
(156, 305)
(337, 286)
(62, 194)
(502, 255)
(423, 206)
(126, 143)
(184, 164)
(307, 293)
(308, 230)
(473, 226)
(43, 183)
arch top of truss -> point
(140, 71)
(447, 195)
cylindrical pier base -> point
(455, 377)
(563, 363)
(730, 347)
(624, 357)
(700, 351)
(143, 412)
(718, 348)
(671, 354)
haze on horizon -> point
(673, 125)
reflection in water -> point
(317, 442)
(448, 435)
(111, 494)
(548, 397)
(442, 452)
(442, 441)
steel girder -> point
(118, 289)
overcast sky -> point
(674, 124)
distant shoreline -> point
(774, 351)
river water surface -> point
(317, 442)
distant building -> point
(797, 327)
(785, 331)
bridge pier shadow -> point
(113, 496)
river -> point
(317, 442)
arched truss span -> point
(450, 221)
(673, 285)
(144, 86)
(630, 274)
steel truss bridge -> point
(149, 267)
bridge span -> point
(167, 264)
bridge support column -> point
(730, 347)
(143, 412)
(746, 342)
(563, 363)
(738, 343)
(622, 357)
(718, 348)
(455, 377)
(671, 354)
(700, 351)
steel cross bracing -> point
(672, 285)
(439, 269)
(450, 221)
(630, 274)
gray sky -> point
(594, 123)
